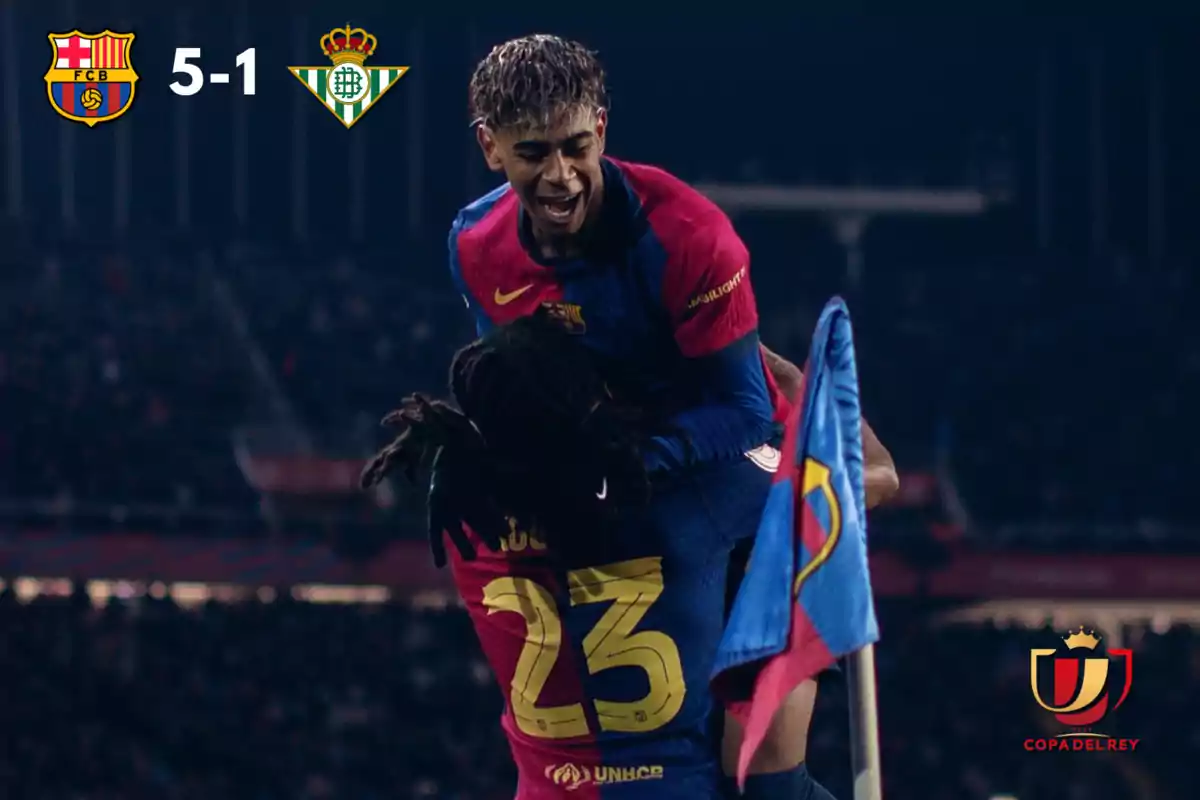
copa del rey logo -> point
(1085, 685)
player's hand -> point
(440, 437)
(416, 445)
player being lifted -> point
(602, 613)
(647, 272)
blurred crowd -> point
(1027, 380)
(348, 337)
(263, 700)
(1046, 392)
(118, 382)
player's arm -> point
(482, 322)
(879, 471)
(707, 294)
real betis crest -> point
(348, 88)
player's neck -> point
(557, 248)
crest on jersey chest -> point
(569, 315)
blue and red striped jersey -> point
(605, 660)
(665, 300)
(604, 655)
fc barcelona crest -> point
(91, 78)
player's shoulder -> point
(485, 216)
(484, 232)
(677, 212)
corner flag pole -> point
(864, 725)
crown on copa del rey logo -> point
(348, 88)
(1088, 640)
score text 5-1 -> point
(184, 56)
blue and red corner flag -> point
(805, 600)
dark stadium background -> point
(207, 303)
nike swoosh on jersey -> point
(767, 458)
(503, 299)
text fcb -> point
(91, 78)
(1081, 679)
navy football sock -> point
(795, 784)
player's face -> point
(555, 171)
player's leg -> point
(795, 784)
(778, 770)
(786, 742)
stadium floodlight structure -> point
(848, 210)
(852, 200)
